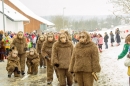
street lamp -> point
(63, 17)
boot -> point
(9, 76)
(22, 73)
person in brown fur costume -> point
(61, 55)
(2, 51)
(46, 52)
(13, 65)
(40, 41)
(32, 61)
(20, 43)
(69, 36)
(85, 60)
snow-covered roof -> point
(28, 12)
(12, 14)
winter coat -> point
(85, 58)
(39, 45)
(20, 44)
(14, 62)
(32, 59)
(118, 39)
(100, 40)
(106, 38)
(61, 54)
(124, 51)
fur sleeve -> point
(54, 58)
(43, 50)
(95, 59)
(72, 62)
(36, 60)
(37, 48)
(13, 43)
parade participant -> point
(20, 43)
(95, 39)
(32, 61)
(13, 65)
(40, 41)
(85, 60)
(46, 53)
(68, 35)
(61, 55)
(2, 51)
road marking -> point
(25, 77)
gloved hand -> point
(57, 65)
(25, 49)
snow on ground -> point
(113, 72)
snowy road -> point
(113, 72)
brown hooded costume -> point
(2, 51)
(20, 43)
(61, 55)
(32, 63)
(46, 52)
(13, 65)
(84, 61)
(38, 48)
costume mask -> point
(82, 38)
(14, 53)
(41, 38)
(63, 38)
(31, 51)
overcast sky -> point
(72, 7)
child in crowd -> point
(100, 42)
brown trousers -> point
(10, 70)
(63, 74)
(50, 71)
(84, 79)
(42, 61)
(22, 61)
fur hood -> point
(49, 44)
(20, 41)
(32, 57)
(59, 44)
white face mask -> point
(31, 52)
(14, 53)
(41, 38)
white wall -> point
(1, 21)
(11, 25)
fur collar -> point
(21, 41)
(40, 42)
(63, 45)
(49, 44)
(12, 58)
(32, 57)
(88, 44)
